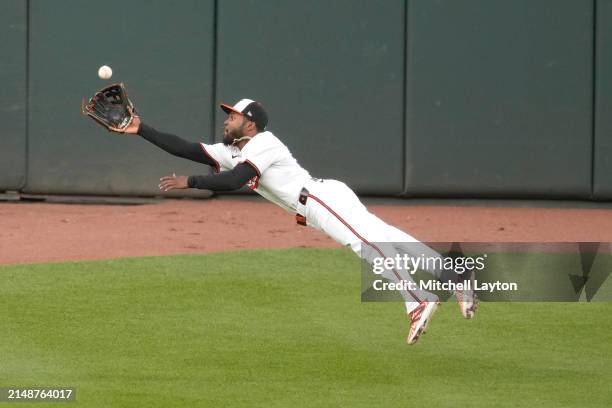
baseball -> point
(105, 72)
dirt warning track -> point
(42, 232)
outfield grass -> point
(284, 328)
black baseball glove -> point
(111, 108)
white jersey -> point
(279, 176)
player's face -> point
(233, 127)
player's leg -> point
(334, 209)
(405, 244)
(375, 230)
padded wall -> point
(499, 98)
(330, 75)
(162, 50)
(13, 106)
(602, 186)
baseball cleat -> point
(419, 318)
(467, 298)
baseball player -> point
(250, 155)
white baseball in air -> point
(105, 72)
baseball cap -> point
(252, 110)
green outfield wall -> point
(330, 74)
(455, 98)
(13, 105)
(602, 175)
(499, 98)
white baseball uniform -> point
(329, 206)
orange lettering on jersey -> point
(253, 183)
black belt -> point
(299, 218)
(303, 196)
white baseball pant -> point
(333, 208)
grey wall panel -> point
(602, 186)
(499, 97)
(13, 20)
(331, 77)
(162, 50)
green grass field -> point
(284, 328)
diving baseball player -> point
(250, 155)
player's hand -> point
(172, 182)
(132, 127)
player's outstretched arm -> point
(169, 142)
(224, 181)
